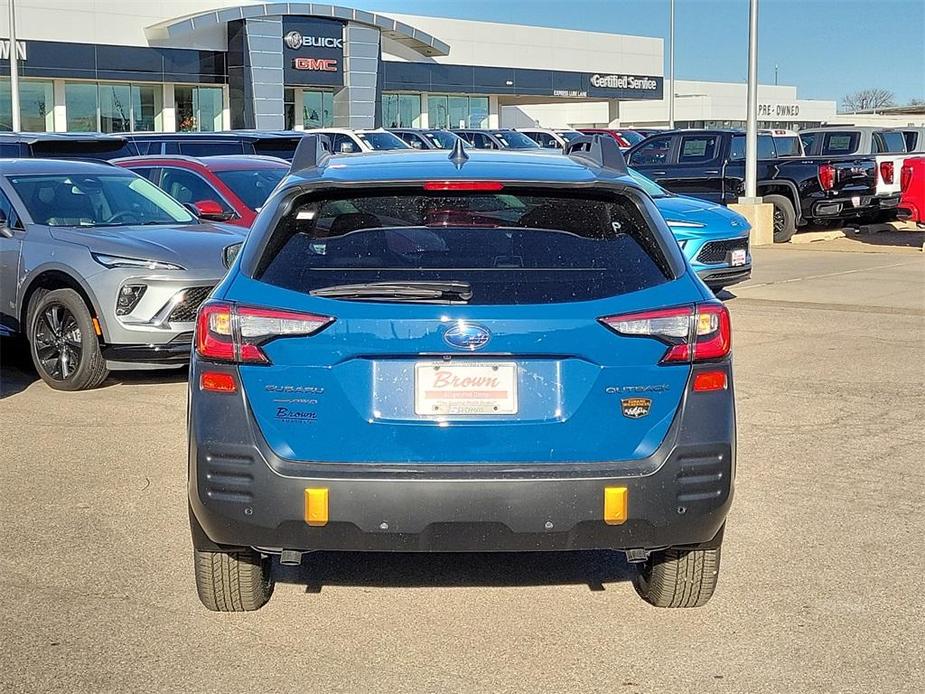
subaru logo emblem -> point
(467, 336)
(293, 39)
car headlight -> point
(684, 225)
(118, 261)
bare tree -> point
(867, 99)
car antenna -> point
(310, 155)
(458, 154)
(600, 150)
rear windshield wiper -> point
(449, 292)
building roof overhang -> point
(415, 39)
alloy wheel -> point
(58, 342)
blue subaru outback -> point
(486, 351)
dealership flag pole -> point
(14, 69)
(671, 67)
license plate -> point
(465, 389)
(738, 256)
(856, 200)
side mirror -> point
(346, 148)
(230, 253)
(211, 211)
(416, 144)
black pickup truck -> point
(710, 164)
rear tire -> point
(237, 581)
(62, 341)
(785, 218)
(678, 577)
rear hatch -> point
(462, 326)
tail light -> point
(886, 172)
(905, 178)
(692, 333)
(826, 176)
(233, 333)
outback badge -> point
(634, 408)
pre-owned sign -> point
(313, 51)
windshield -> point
(509, 247)
(253, 186)
(442, 139)
(88, 200)
(647, 184)
(382, 140)
(515, 140)
(569, 134)
(631, 136)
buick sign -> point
(295, 41)
(467, 336)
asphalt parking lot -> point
(822, 580)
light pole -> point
(671, 66)
(14, 69)
(751, 128)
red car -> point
(625, 138)
(229, 188)
(912, 182)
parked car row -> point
(107, 262)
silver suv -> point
(101, 270)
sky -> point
(826, 48)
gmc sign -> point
(315, 64)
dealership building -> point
(202, 65)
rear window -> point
(253, 186)
(211, 148)
(282, 147)
(515, 140)
(890, 141)
(840, 143)
(83, 149)
(509, 247)
(382, 140)
(788, 146)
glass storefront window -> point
(115, 108)
(199, 109)
(289, 108)
(112, 107)
(401, 110)
(457, 111)
(81, 99)
(36, 105)
(436, 112)
(317, 109)
(147, 107)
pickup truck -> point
(887, 146)
(710, 164)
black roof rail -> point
(311, 154)
(600, 150)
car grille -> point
(717, 251)
(185, 311)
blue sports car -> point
(486, 351)
(714, 239)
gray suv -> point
(101, 270)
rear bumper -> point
(242, 494)
(845, 208)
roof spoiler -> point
(311, 154)
(600, 150)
